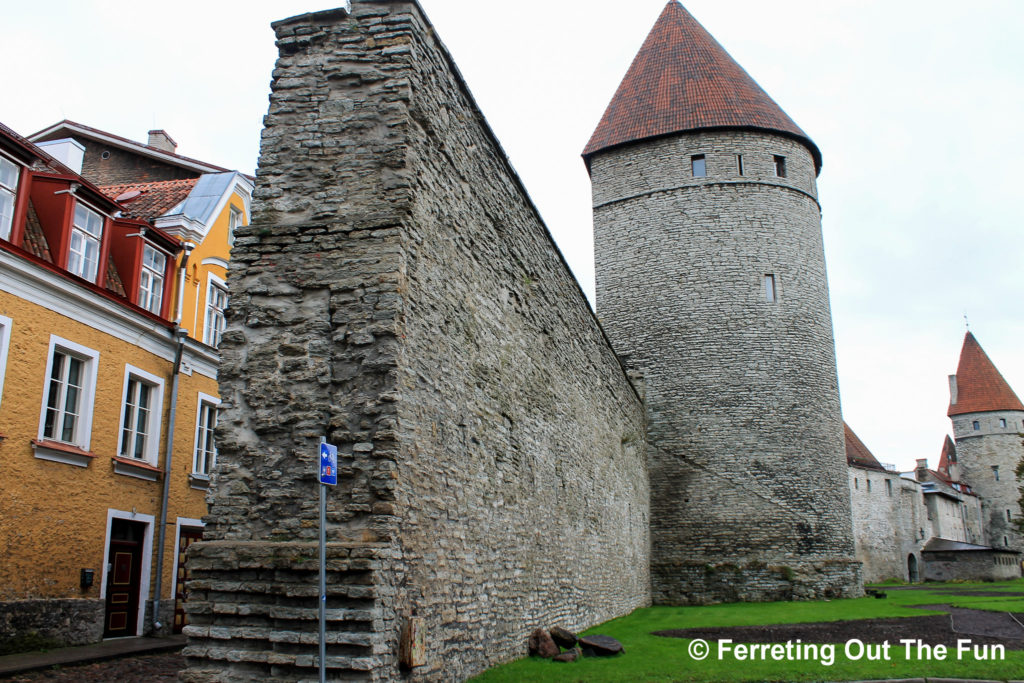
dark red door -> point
(124, 578)
(187, 538)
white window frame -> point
(5, 341)
(213, 281)
(155, 296)
(7, 222)
(90, 357)
(204, 399)
(87, 237)
(152, 451)
(147, 558)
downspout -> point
(179, 334)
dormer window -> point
(84, 252)
(151, 279)
(8, 189)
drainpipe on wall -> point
(179, 334)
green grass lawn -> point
(655, 658)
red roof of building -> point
(153, 199)
(683, 80)
(857, 453)
(979, 386)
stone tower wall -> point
(978, 450)
(749, 491)
(398, 293)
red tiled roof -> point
(34, 239)
(948, 456)
(683, 80)
(857, 453)
(155, 198)
(980, 388)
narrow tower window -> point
(1009, 517)
(698, 166)
(1002, 423)
(780, 166)
(995, 472)
(976, 425)
(769, 289)
(739, 164)
(888, 487)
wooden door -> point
(124, 578)
(187, 538)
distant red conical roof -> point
(683, 80)
(947, 457)
(979, 386)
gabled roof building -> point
(112, 302)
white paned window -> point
(9, 173)
(234, 221)
(206, 448)
(151, 279)
(140, 415)
(68, 396)
(86, 233)
(216, 304)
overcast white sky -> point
(917, 107)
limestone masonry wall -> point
(398, 293)
(890, 523)
(749, 492)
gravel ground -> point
(162, 668)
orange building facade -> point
(112, 301)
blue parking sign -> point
(328, 464)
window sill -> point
(65, 453)
(130, 467)
(199, 481)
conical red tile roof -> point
(979, 386)
(683, 80)
(947, 457)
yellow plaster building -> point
(111, 306)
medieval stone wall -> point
(748, 473)
(998, 442)
(890, 523)
(397, 293)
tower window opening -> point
(1006, 542)
(739, 164)
(995, 472)
(698, 166)
(1009, 517)
(869, 485)
(976, 425)
(780, 166)
(770, 293)
(1002, 423)
(856, 483)
(888, 487)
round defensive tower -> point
(711, 283)
(988, 421)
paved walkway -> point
(108, 649)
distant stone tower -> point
(711, 283)
(988, 425)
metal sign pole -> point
(328, 476)
(323, 575)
